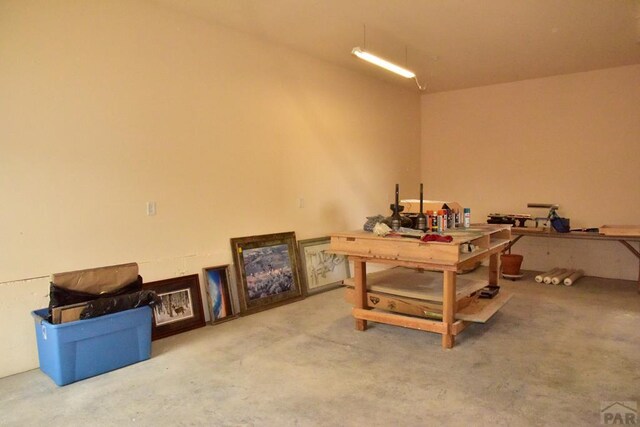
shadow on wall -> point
(334, 213)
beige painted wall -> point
(108, 105)
(573, 140)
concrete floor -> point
(549, 357)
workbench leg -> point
(360, 270)
(448, 303)
(494, 268)
(637, 254)
(639, 275)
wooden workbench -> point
(519, 233)
(446, 311)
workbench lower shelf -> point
(419, 293)
(417, 284)
(482, 309)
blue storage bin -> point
(73, 351)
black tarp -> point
(59, 297)
(102, 306)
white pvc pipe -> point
(547, 279)
(540, 277)
(569, 281)
(558, 278)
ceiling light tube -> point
(382, 63)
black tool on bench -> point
(489, 291)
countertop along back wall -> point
(573, 140)
(108, 105)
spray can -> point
(434, 221)
(450, 219)
(441, 220)
(467, 217)
(430, 222)
(458, 216)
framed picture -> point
(67, 313)
(218, 293)
(181, 307)
(267, 271)
(321, 270)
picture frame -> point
(218, 293)
(181, 308)
(67, 313)
(267, 271)
(321, 270)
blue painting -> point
(218, 293)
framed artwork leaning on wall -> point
(322, 271)
(266, 271)
(180, 309)
(218, 290)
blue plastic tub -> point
(73, 351)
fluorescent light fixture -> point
(383, 63)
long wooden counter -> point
(446, 313)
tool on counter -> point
(421, 220)
(561, 225)
(383, 230)
(395, 221)
(553, 208)
(489, 291)
(500, 218)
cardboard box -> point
(67, 313)
(413, 206)
(77, 350)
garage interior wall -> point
(107, 106)
(572, 140)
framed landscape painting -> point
(321, 270)
(180, 309)
(218, 293)
(267, 271)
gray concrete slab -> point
(549, 357)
